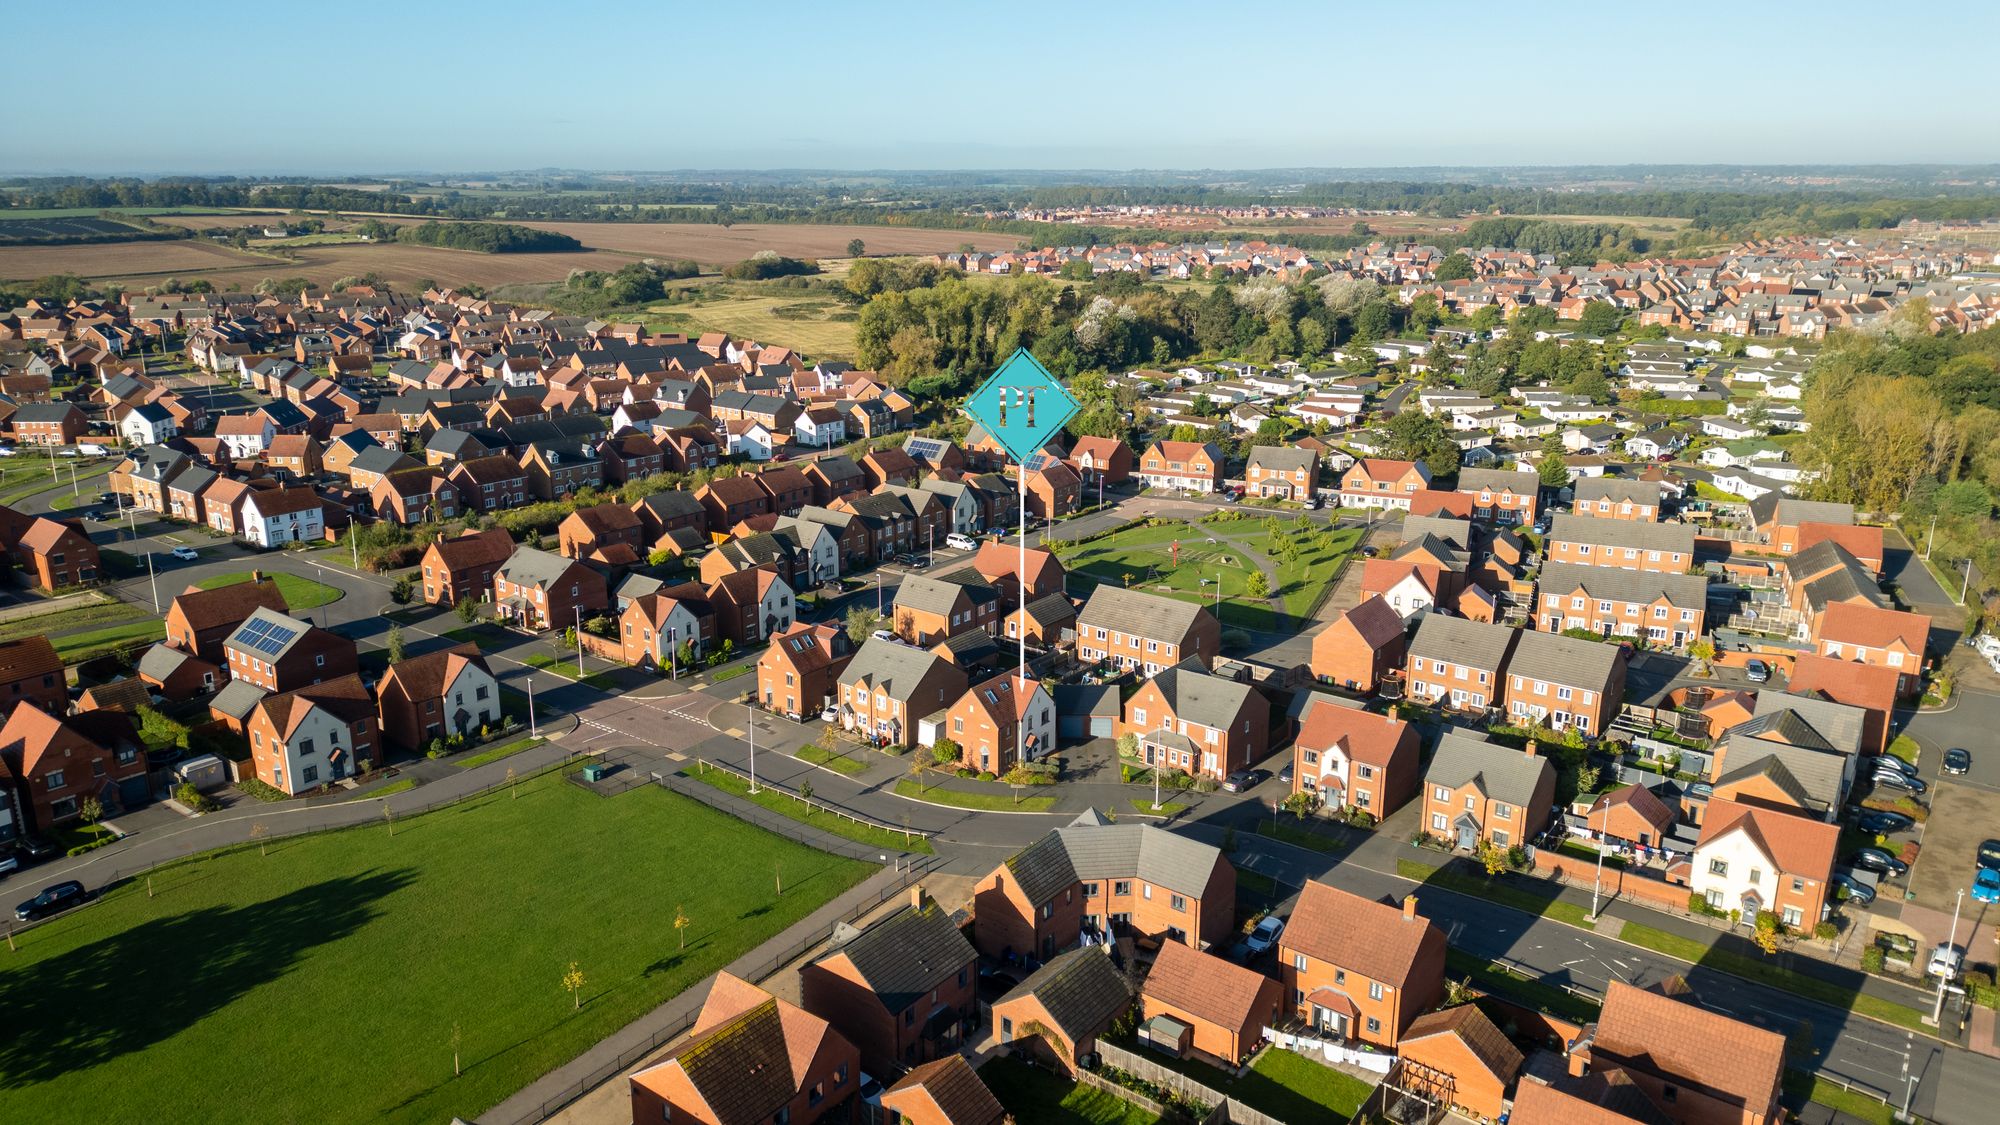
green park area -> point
(1212, 562)
(300, 593)
(367, 957)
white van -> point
(960, 541)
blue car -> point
(1986, 886)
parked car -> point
(1883, 822)
(1285, 775)
(1758, 671)
(1878, 859)
(883, 635)
(52, 900)
(1986, 885)
(1242, 781)
(1891, 762)
(9, 863)
(1945, 961)
(830, 715)
(186, 554)
(1858, 892)
(1957, 760)
(1897, 779)
(1989, 854)
(1265, 935)
(958, 541)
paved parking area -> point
(1961, 816)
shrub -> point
(251, 786)
(194, 798)
(1871, 959)
(965, 772)
(945, 751)
(986, 775)
(1205, 785)
(1826, 931)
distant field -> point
(795, 319)
(84, 212)
(126, 259)
(716, 245)
(13, 228)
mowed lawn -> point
(1144, 558)
(322, 982)
(300, 593)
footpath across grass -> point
(300, 593)
(785, 805)
(989, 802)
(1531, 899)
(358, 937)
(1772, 974)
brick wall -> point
(1638, 886)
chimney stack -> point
(256, 576)
(917, 896)
(1529, 749)
(1409, 908)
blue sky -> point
(373, 87)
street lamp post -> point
(1594, 887)
(752, 724)
(534, 728)
(1965, 586)
(154, 579)
(579, 643)
(1951, 943)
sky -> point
(377, 88)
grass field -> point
(715, 245)
(300, 593)
(1858, 1106)
(1770, 972)
(785, 805)
(801, 320)
(359, 953)
(79, 647)
(1038, 1095)
(1003, 802)
(83, 617)
(1144, 558)
(25, 475)
(567, 670)
(836, 760)
(1291, 1087)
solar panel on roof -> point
(1037, 462)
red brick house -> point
(904, 990)
(1349, 757)
(1477, 791)
(592, 529)
(1220, 1007)
(1188, 720)
(1356, 968)
(750, 606)
(314, 735)
(1101, 461)
(1282, 472)
(1188, 466)
(414, 495)
(655, 628)
(59, 763)
(436, 695)
(1376, 482)
(463, 567)
(489, 484)
(1885, 638)
(729, 501)
(1502, 496)
(750, 1057)
(53, 553)
(538, 591)
(199, 620)
(799, 673)
(1059, 1012)
(1360, 647)
(889, 466)
(278, 652)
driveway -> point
(1961, 816)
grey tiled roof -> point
(1284, 458)
(1497, 480)
(1618, 490)
(1504, 774)
(1459, 641)
(889, 667)
(1198, 697)
(929, 595)
(1454, 531)
(1564, 660)
(532, 567)
(1137, 614)
(1838, 723)
(237, 698)
(1689, 591)
(1082, 991)
(905, 955)
(1638, 534)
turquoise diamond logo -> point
(1022, 405)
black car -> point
(1882, 822)
(1897, 779)
(52, 900)
(1879, 860)
(1989, 854)
(1957, 761)
(1891, 762)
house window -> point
(1718, 867)
(1374, 990)
(56, 779)
(1179, 903)
(1298, 962)
(309, 775)
(1122, 887)
(1798, 886)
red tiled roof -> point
(1857, 624)
(1206, 987)
(473, 549)
(1844, 681)
(1470, 1026)
(1698, 1048)
(1368, 937)
(1798, 845)
(1365, 737)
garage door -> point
(1072, 726)
(1100, 726)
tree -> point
(856, 248)
(404, 591)
(1600, 318)
(917, 767)
(573, 980)
(681, 924)
(395, 645)
(468, 610)
(1257, 586)
(91, 811)
(1457, 266)
(1552, 470)
(1768, 933)
(862, 622)
(1492, 858)
(1416, 436)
